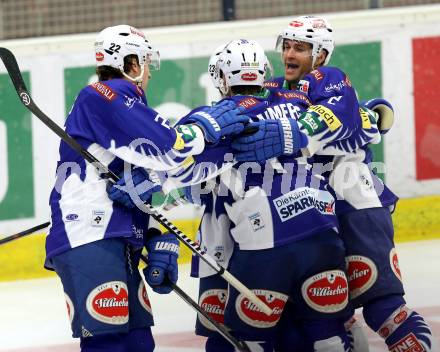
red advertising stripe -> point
(426, 71)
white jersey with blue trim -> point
(113, 122)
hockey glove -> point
(162, 262)
(385, 111)
(273, 138)
(220, 120)
(133, 188)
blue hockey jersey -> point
(113, 122)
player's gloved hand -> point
(133, 188)
(273, 138)
(220, 120)
(385, 111)
(162, 266)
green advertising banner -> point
(16, 154)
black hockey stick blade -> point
(221, 329)
(14, 72)
(24, 233)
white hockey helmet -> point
(113, 44)
(212, 65)
(242, 63)
(310, 29)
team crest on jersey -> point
(104, 90)
(98, 217)
(213, 302)
(394, 262)
(143, 298)
(248, 102)
(251, 315)
(256, 221)
(108, 303)
(361, 274)
(303, 86)
(326, 292)
(70, 307)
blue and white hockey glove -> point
(162, 262)
(133, 188)
(273, 138)
(385, 111)
(220, 120)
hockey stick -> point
(11, 65)
(24, 233)
(221, 329)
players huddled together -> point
(292, 208)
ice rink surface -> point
(33, 316)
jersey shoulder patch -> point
(104, 90)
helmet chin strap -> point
(136, 80)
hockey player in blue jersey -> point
(364, 206)
(267, 218)
(94, 243)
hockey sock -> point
(103, 343)
(218, 344)
(139, 340)
(401, 328)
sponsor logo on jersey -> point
(213, 302)
(249, 76)
(99, 56)
(347, 81)
(104, 91)
(327, 116)
(361, 274)
(271, 84)
(409, 343)
(108, 303)
(72, 217)
(281, 111)
(335, 86)
(300, 200)
(251, 315)
(311, 122)
(394, 262)
(256, 221)
(293, 95)
(317, 74)
(326, 292)
(70, 307)
(303, 86)
(296, 24)
(248, 102)
(143, 298)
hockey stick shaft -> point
(11, 65)
(24, 233)
(221, 329)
